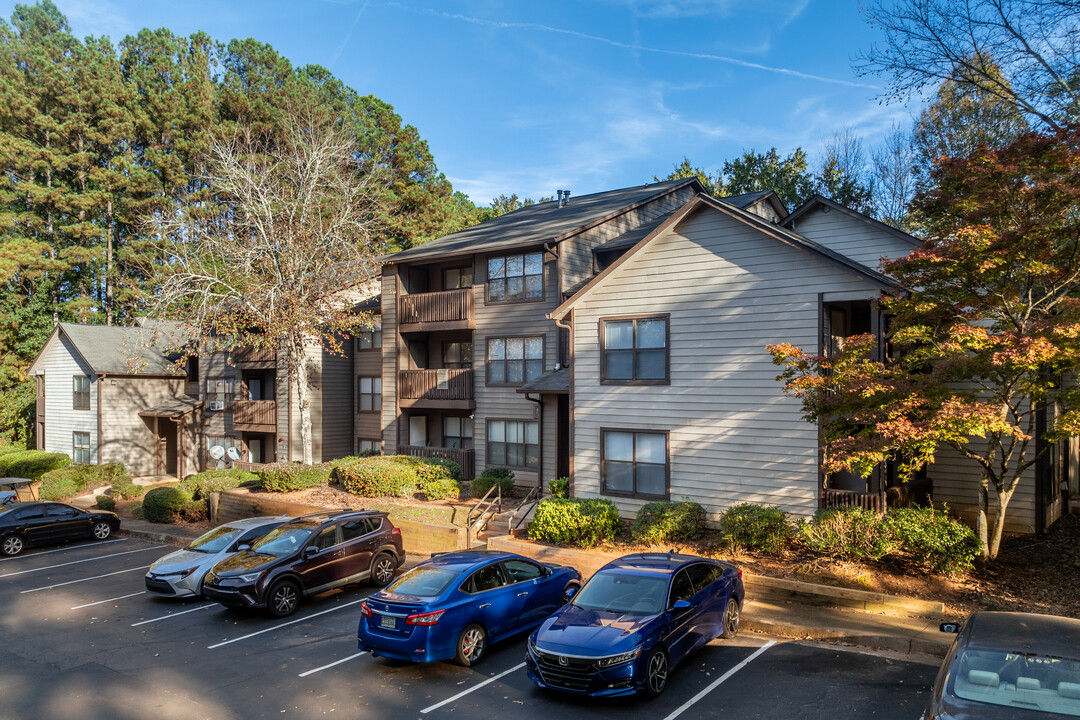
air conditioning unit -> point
(217, 404)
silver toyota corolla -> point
(180, 574)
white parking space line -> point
(28, 556)
(76, 562)
(712, 686)
(338, 662)
(472, 689)
(172, 615)
(102, 602)
(95, 577)
(286, 624)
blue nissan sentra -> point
(636, 619)
(452, 606)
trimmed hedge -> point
(933, 540)
(398, 476)
(201, 485)
(105, 502)
(124, 487)
(32, 463)
(68, 482)
(287, 477)
(849, 532)
(169, 504)
(503, 477)
(668, 521)
(559, 487)
(753, 526)
(583, 522)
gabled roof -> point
(819, 201)
(542, 222)
(113, 350)
(745, 200)
(702, 200)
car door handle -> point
(522, 594)
(485, 605)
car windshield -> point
(284, 539)
(423, 581)
(216, 540)
(623, 593)
(1026, 681)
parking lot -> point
(83, 639)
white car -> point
(180, 573)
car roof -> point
(317, 518)
(1024, 632)
(246, 523)
(465, 559)
(653, 562)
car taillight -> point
(740, 574)
(395, 531)
(431, 618)
(365, 610)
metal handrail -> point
(511, 526)
(497, 489)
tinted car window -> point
(353, 529)
(623, 593)
(486, 578)
(327, 538)
(30, 513)
(423, 581)
(703, 575)
(58, 510)
(520, 571)
(681, 587)
(215, 540)
(283, 539)
(252, 535)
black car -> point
(1020, 666)
(42, 523)
(307, 555)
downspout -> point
(569, 327)
(540, 455)
(101, 386)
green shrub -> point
(451, 467)
(105, 502)
(667, 521)
(124, 487)
(8, 448)
(68, 482)
(441, 488)
(559, 488)
(934, 541)
(583, 522)
(32, 463)
(201, 485)
(756, 527)
(398, 476)
(370, 453)
(503, 477)
(287, 477)
(849, 532)
(501, 473)
(168, 504)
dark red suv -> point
(307, 555)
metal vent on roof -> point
(564, 197)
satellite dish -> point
(217, 452)
(233, 453)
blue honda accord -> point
(636, 619)
(452, 606)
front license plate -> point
(388, 622)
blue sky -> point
(530, 97)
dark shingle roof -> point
(172, 408)
(535, 224)
(553, 381)
(123, 350)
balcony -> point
(444, 310)
(448, 389)
(255, 358)
(255, 415)
(461, 456)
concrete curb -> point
(908, 645)
(159, 537)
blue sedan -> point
(636, 619)
(452, 606)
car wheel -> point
(382, 570)
(730, 623)
(283, 599)
(13, 545)
(471, 645)
(656, 672)
(102, 530)
(566, 593)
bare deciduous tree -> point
(268, 261)
(1022, 52)
(894, 178)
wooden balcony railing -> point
(434, 307)
(846, 498)
(254, 412)
(461, 456)
(446, 384)
(254, 355)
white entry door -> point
(418, 430)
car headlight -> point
(178, 574)
(618, 659)
(249, 578)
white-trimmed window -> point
(514, 443)
(80, 448)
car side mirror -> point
(569, 593)
(681, 605)
(241, 548)
(310, 550)
(949, 627)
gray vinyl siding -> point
(338, 393)
(734, 437)
(368, 363)
(576, 256)
(217, 423)
(60, 362)
(510, 320)
(852, 237)
(392, 345)
(126, 437)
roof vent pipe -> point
(564, 197)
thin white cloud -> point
(504, 25)
(98, 18)
(348, 36)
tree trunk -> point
(981, 521)
(108, 264)
(999, 524)
(298, 366)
